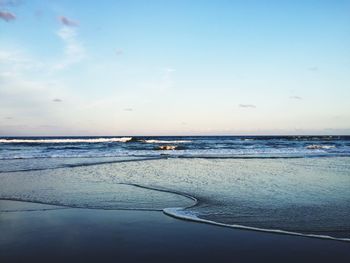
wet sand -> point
(35, 233)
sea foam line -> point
(317, 147)
(84, 164)
(194, 199)
(90, 140)
(32, 210)
(165, 141)
(159, 157)
(179, 213)
(59, 204)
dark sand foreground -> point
(88, 235)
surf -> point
(68, 140)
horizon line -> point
(211, 135)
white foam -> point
(91, 140)
(165, 141)
(316, 146)
(180, 213)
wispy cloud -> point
(7, 16)
(15, 61)
(168, 78)
(57, 100)
(169, 70)
(22, 94)
(6, 3)
(295, 98)
(128, 109)
(74, 51)
(314, 68)
(247, 106)
(119, 52)
(38, 13)
(68, 22)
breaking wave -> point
(166, 141)
(68, 140)
(176, 146)
(316, 147)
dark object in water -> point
(167, 147)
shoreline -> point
(174, 212)
(178, 213)
(92, 235)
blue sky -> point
(174, 67)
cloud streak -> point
(295, 98)
(167, 80)
(73, 49)
(10, 2)
(7, 16)
(67, 21)
(314, 68)
(119, 52)
(247, 106)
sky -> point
(174, 67)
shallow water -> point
(304, 195)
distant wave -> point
(316, 147)
(90, 140)
(171, 152)
(118, 146)
(165, 141)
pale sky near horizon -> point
(175, 67)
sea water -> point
(295, 184)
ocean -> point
(296, 185)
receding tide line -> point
(179, 213)
(86, 164)
(65, 206)
(194, 199)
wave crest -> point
(166, 141)
(90, 140)
(316, 147)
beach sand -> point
(43, 233)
